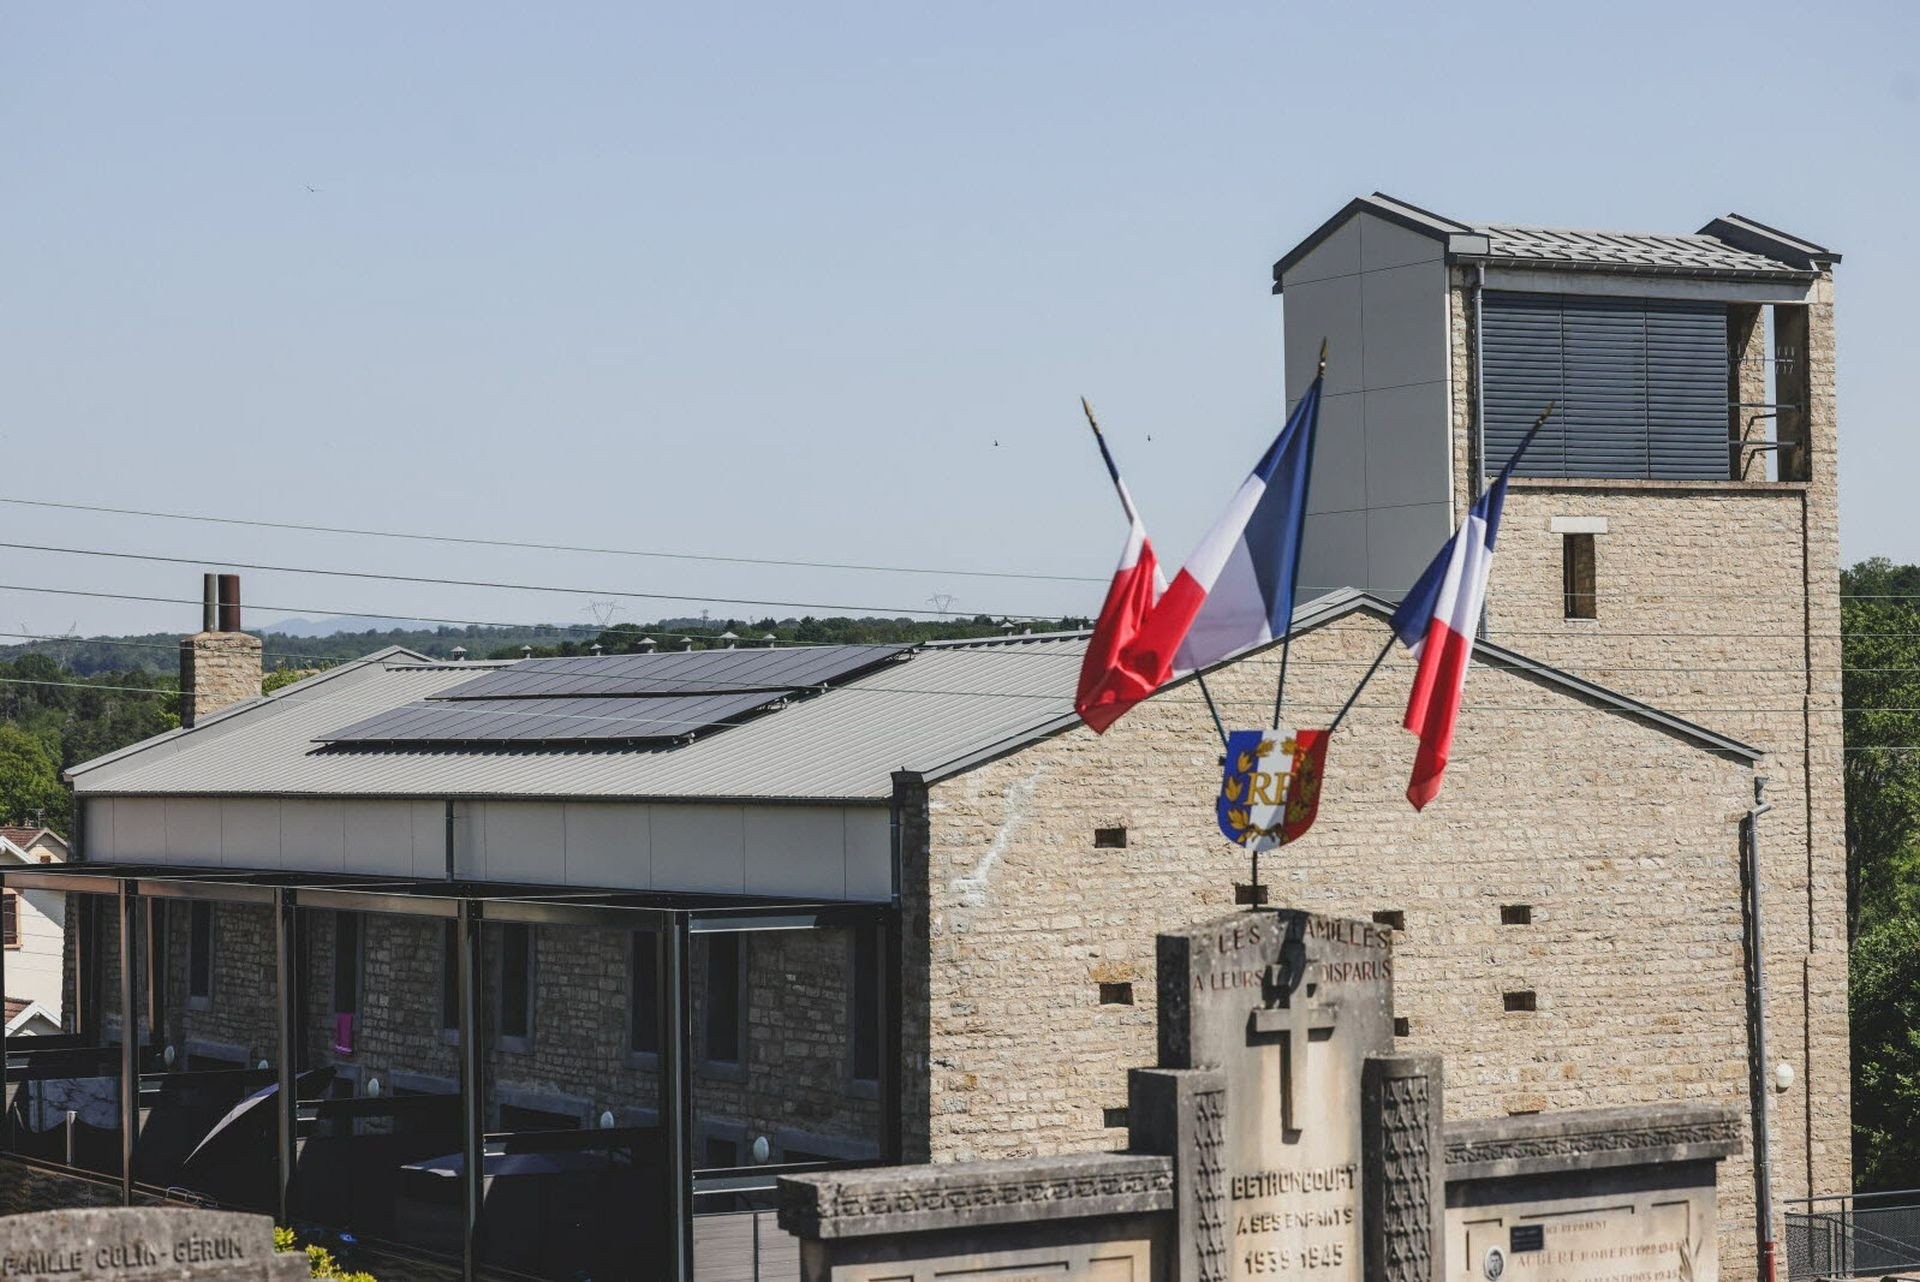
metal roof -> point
(946, 709)
(944, 703)
(1734, 247)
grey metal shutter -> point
(1640, 385)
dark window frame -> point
(864, 1017)
(1579, 575)
(521, 1041)
(202, 953)
(643, 998)
(10, 919)
(709, 1020)
(357, 976)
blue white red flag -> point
(1437, 621)
(1236, 590)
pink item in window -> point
(343, 1034)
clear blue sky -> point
(774, 280)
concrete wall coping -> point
(1582, 1139)
(958, 1195)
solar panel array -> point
(629, 698)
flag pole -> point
(1113, 470)
(1353, 698)
(1286, 638)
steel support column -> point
(472, 1089)
(287, 1016)
(129, 1044)
(676, 1090)
(6, 1114)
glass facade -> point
(517, 1082)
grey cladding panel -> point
(1639, 385)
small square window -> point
(1392, 918)
(1116, 994)
(1113, 1118)
(1516, 914)
(1110, 838)
(1522, 1000)
(1402, 1026)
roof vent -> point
(769, 640)
(686, 643)
(459, 654)
(596, 649)
(645, 645)
(526, 652)
(731, 637)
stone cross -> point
(1291, 1013)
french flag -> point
(1137, 585)
(1236, 590)
(1437, 621)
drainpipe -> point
(1479, 381)
(1758, 1086)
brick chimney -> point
(220, 664)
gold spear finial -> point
(1323, 358)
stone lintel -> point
(1588, 1138)
(960, 1195)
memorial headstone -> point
(144, 1244)
(1286, 1007)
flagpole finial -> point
(1092, 422)
(1323, 358)
(1545, 414)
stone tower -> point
(1673, 533)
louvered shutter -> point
(1640, 385)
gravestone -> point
(144, 1244)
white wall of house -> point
(33, 968)
(825, 852)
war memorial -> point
(1280, 1136)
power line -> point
(474, 541)
(487, 584)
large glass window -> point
(64, 1088)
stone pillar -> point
(1182, 1114)
(1404, 1195)
(217, 670)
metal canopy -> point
(419, 897)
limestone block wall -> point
(1620, 838)
(217, 669)
(1719, 601)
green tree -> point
(29, 781)
(1880, 635)
(1884, 994)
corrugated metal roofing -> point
(1657, 251)
(943, 704)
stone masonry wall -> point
(1621, 837)
(1719, 601)
(217, 669)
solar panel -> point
(549, 720)
(675, 673)
(624, 698)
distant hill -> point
(297, 627)
(336, 641)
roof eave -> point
(1394, 210)
(1756, 237)
(1632, 269)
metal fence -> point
(1865, 1235)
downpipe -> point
(1758, 1086)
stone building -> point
(640, 931)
